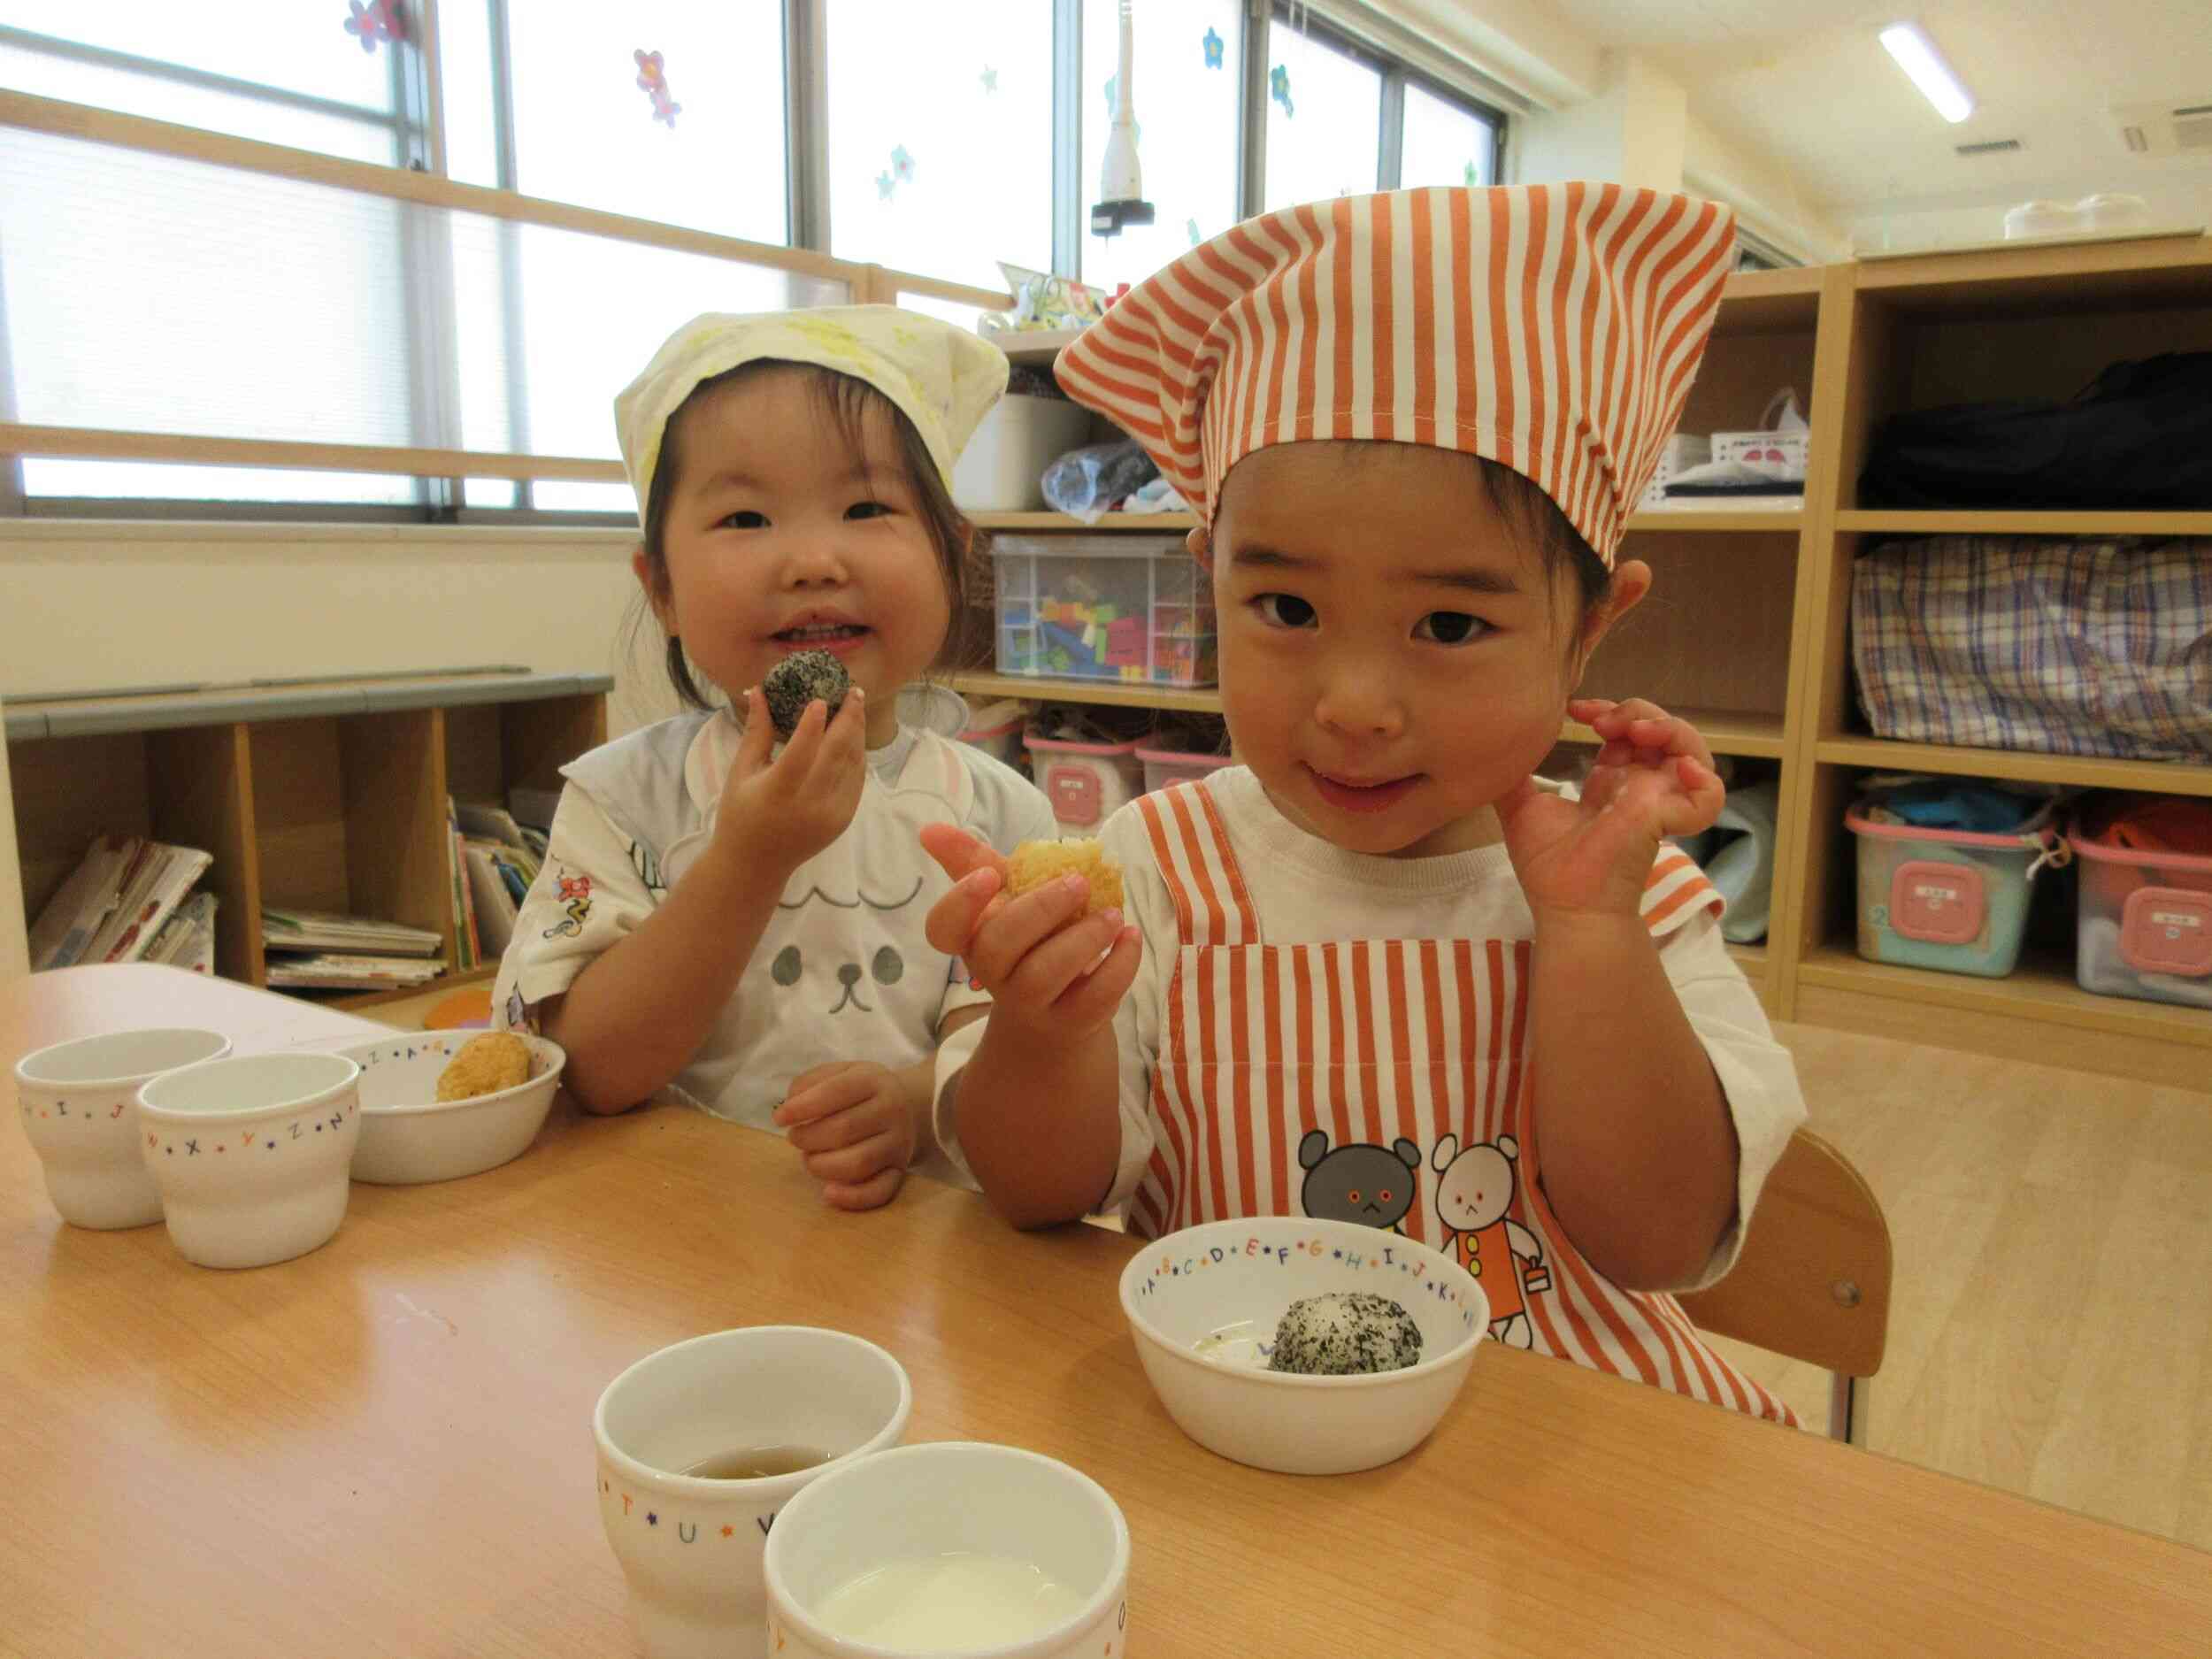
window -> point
(272, 70)
(1445, 142)
(1323, 118)
(1190, 82)
(144, 289)
(941, 136)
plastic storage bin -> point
(1164, 765)
(1103, 607)
(1002, 468)
(1086, 782)
(1947, 899)
(997, 729)
(2146, 927)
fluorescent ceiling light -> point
(1916, 55)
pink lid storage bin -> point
(1950, 900)
(2145, 929)
(1087, 783)
(1164, 766)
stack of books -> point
(117, 903)
(494, 859)
(319, 950)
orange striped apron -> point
(1383, 1080)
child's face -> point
(1393, 660)
(779, 540)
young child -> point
(743, 921)
(1378, 972)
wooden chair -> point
(1813, 1280)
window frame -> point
(416, 121)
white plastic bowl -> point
(409, 1136)
(1228, 1284)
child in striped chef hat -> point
(1378, 972)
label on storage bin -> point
(2167, 930)
(1937, 904)
(1073, 791)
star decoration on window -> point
(1473, 177)
(1278, 89)
(1190, 227)
(901, 166)
(990, 80)
(1213, 44)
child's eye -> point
(1284, 610)
(1449, 627)
(867, 510)
(747, 519)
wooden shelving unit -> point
(327, 797)
(1746, 632)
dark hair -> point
(1539, 521)
(849, 404)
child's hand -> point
(1653, 778)
(1038, 955)
(853, 1123)
(785, 810)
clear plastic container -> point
(1164, 765)
(1130, 608)
(1948, 899)
(1087, 783)
(2145, 925)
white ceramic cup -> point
(691, 1548)
(251, 1154)
(951, 1499)
(80, 1103)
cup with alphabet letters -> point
(80, 1104)
(701, 1444)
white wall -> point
(108, 604)
(89, 605)
(1633, 132)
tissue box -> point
(1682, 452)
(1781, 454)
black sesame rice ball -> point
(798, 680)
(1345, 1335)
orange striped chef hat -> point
(1554, 329)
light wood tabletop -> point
(384, 1447)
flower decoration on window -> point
(1213, 44)
(1190, 227)
(652, 79)
(990, 78)
(1473, 177)
(379, 20)
(1278, 89)
(885, 185)
(901, 166)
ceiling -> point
(1810, 89)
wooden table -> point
(384, 1447)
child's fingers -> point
(759, 740)
(1589, 710)
(831, 1096)
(872, 1194)
(859, 1162)
(1047, 970)
(1003, 940)
(799, 749)
(1696, 801)
(952, 921)
(1091, 1001)
(959, 853)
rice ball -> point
(798, 680)
(1345, 1335)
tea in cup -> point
(701, 1445)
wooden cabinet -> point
(329, 796)
(1745, 629)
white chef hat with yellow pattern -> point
(942, 379)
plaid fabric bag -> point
(2055, 647)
